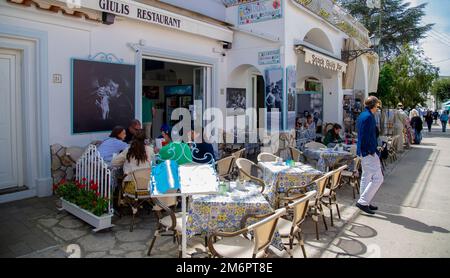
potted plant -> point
(83, 200)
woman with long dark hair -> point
(137, 156)
(114, 144)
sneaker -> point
(373, 207)
(366, 209)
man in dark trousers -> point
(372, 176)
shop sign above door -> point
(269, 57)
(321, 60)
(150, 14)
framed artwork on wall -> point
(236, 101)
(103, 95)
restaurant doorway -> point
(170, 84)
(310, 102)
(259, 95)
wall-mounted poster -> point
(269, 57)
(103, 95)
(274, 96)
(259, 11)
(291, 81)
(236, 101)
(151, 92)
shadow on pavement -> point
(411, 224)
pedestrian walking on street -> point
(417, 125)
(429, 120)
(444, 120)
(372, 176)
(435, 117)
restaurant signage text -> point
(147, 13)
(324, 61)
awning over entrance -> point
(322, 60)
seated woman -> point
(114, 144)
(137, 156)
(202, 152)
(333, 136)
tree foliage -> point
(441, 89)
(407, 78)
(401, 23)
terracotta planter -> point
(98, 222)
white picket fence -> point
(92, 167)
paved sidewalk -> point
(414, 202)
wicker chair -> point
(315, 146)
(225, 168)
(238, 154)
(353, 176)
(316, 208)
(329, 197)
(297, 155)
(135, 192)
(292, 228)
(267, 157)
(169, 223)
(245, 172)
(238, 244)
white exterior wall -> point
(299, 22)
(76, 38)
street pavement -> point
(414, 209)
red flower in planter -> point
(276, 4)
(94, 187)
(84, 179)
(97, 193)
(63, 181)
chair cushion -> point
(167, 221)
(129, 190)
(234, 247)
(347, 174)
(327, 192)
(284, 227)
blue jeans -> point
(444, 126)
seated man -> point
(333, 136)
(133, 128)
(202, 151)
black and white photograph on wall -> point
(291, 81)
(236, 101)
(274, 96)
(103, 95)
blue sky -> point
(437, 44)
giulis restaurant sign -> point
(127, 9)
(153, 15)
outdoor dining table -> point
(224, 212)
(285, 177)
(195, 179)
(328, 158)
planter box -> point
(99, 222)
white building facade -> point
(213, 48)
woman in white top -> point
(137, 156)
